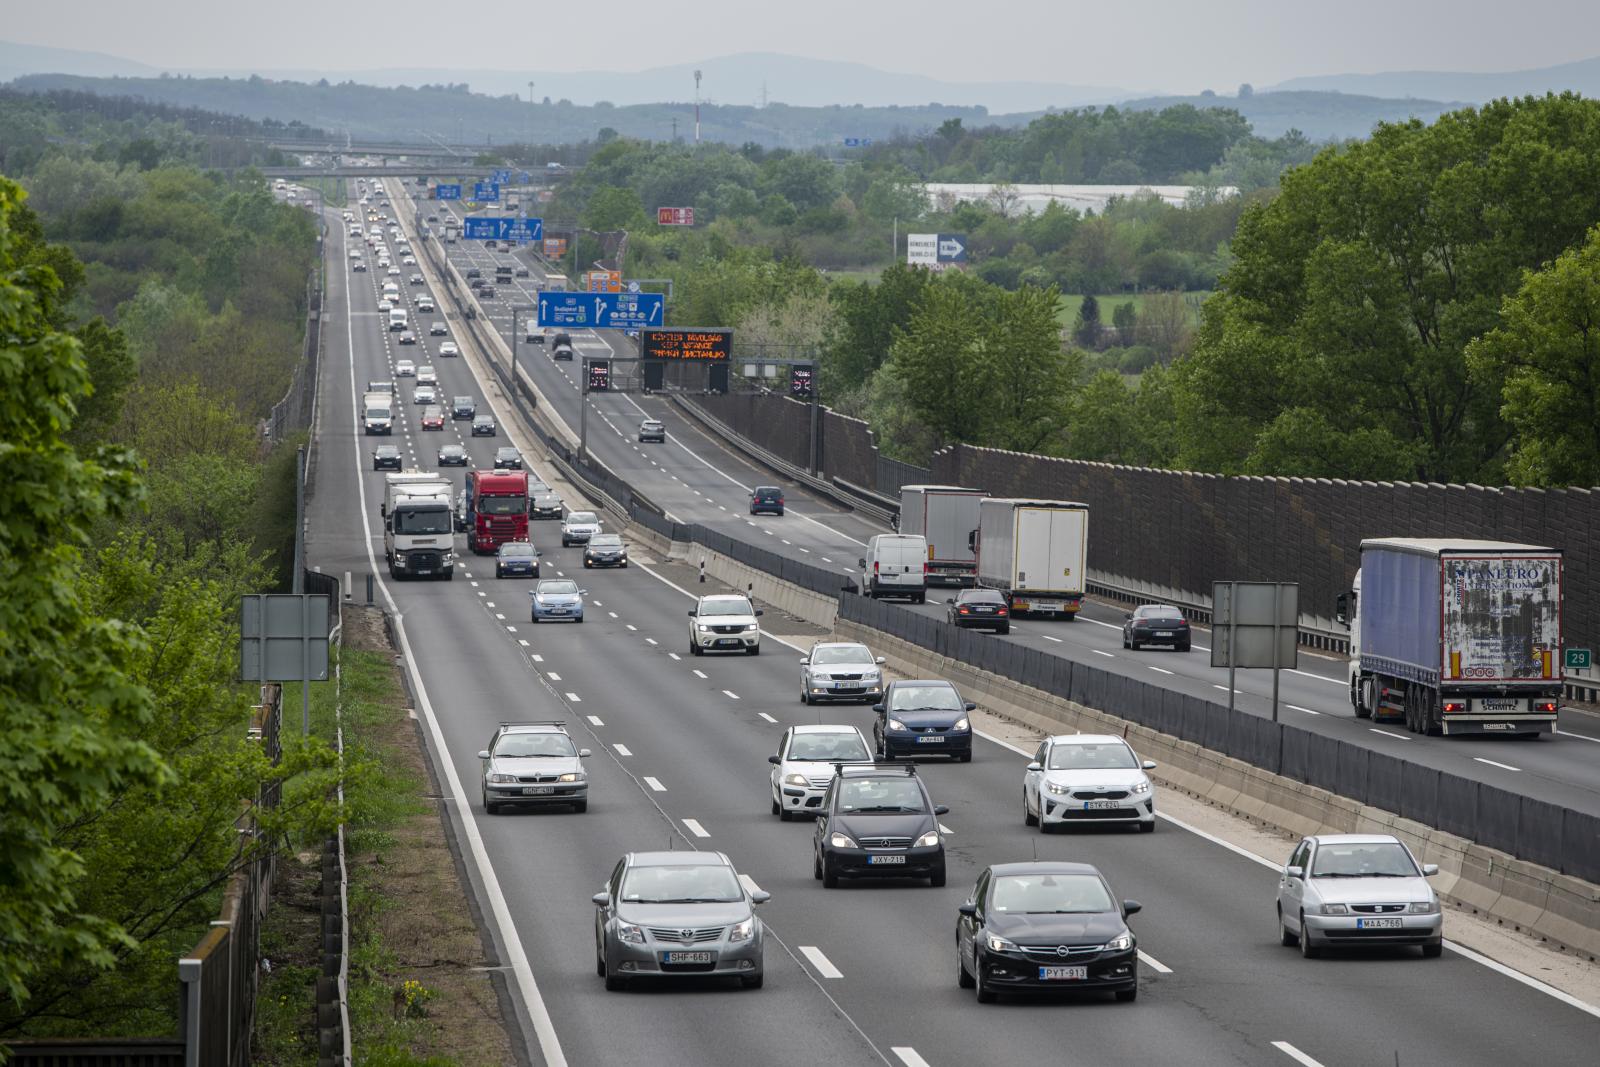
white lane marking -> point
(575, 698)
(943, 829)
(767, 717)
(553, 676)
(1222, 687)
(1386, 733)
(500, 616)
(694, 827)
(653, 784)
(788, 542)
(537, 658)
(511, 629)
(730, 694)
(523, 641)
(630, 626)
(1497, 763)
(1153, 963)
(649, 640)
(1047, 637)
(612, 614)
(594, 720)
(1295, 1054)
(1297, 707)
(823, 965)
(825, 559)
(804, 549)
(1580, 737)
(488, 603)
(1098, 652)
(482, 593)
(1308, 674)
(1527, 980)
(674, 655)
(622, 750)
(908, 1056)
(474, 584)
(1163, 670)
(749, 883)
(699, 673)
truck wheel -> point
(1432, 714)
(1358, 692)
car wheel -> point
(1184, 647)
(1432, 952)
(580, 806)
(1286, 937)
(963, 976)
(615, 984)
(1134, 645)
(805, 698)
(1002, 631)
(753, 650)
(498, 573)
(920, 598)
(816, 866)
(1124, 639)
(785, 815)
(694, 649)
(1147, 827)
(1126, 995)
(752, 981)
(965, 757)
(533, 617)
(488, 808)
(984, 994)
(777, 809)
(830, 880)
(1307, 949)
(599, 965)
(1028, 817)
(936, 879)
(579, 620)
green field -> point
(1067, 310)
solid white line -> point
(908, 1056)
(1527, 980)
(622, 750)
(1297, 707)
(767, 717)
(594, 720)
(1497, 763)
(575, 698)
(823, 965)
(1153, 963)
(1318, 677)
(699, 673)
(1224, 688)
(1295, 1054)
(694, 827)
(1098, 652)
(730, 694)
(1163, 670)
(653, 784)
(1386, 733)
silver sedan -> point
(840, 670)
(1341, 890)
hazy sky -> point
(1155, 44)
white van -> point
(397, 319)
(896, 565)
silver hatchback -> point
(664, 915)
(1350, 890)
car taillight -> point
(874, 566)
(1454, 706)
(999, 611)
(1544, 705)
(927, 568)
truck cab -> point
(418, 527)
(496, 508)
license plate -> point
(1377, 924)
(1163, 633)
(1491, 704)
(879, 861)
(1100, 805)
(1055, 974)
(424, 570)
(555, 611)
(726, 641)
(686, 957)
(930, 739)
(538, 790)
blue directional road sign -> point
(601, 311)
(485, 192)
(501, 177)
(857, 142)
(523, 177)
(447, 192)
(502, 228)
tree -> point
(1168, 324)
(1033, 377)
(70, 710)
(1545, 361)
(1125, 317)
(1086, 327)
(940, 357)
(869, 319)
(1246, 91)
(1004, 198)
(614, 208)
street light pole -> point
(697, 107)
(583, 410)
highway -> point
(856, 975)
(698, 479)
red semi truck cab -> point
(497, 509)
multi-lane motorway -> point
(855, 975)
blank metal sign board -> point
(283, 637)
(1245, 616)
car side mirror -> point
(774, 759)
(940, 809)
(760, 612)
(1149, 764)
(1035, 766)
(806, 660)
(760, 896)
(584, 753)
(861, 563)
(691, 613)
(1341, 608)
(601, 899)
(483, 754)
(878, 708)
(1131, 907)
(970, 706)
(968, 908)
(583, 592)
(1429, 870)
(1129, 615)
(1292, 871)
(949, 600)
(383, 509)
(880, 661)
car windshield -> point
(386, 452)
(378, 412)
(452, 451)
(552, 745)
(681, 884)
(731, 606)
(651, 425)
(558, 588)
(880, 794)
(518, 550)
(925, 698)
(1371, 859)
(1159, 613)
(503, 505)
(841, 654)
(1050, 894)
(824, 747)
(422, 521)
(463, 401)
(1084, 757)
(582, 518)
(985, 596)
(605, 541)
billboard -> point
(555, 247)
(937, 251)
(675, 216)
(603, 281)
(687, 345)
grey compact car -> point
(533, 763)
(840, 670)
(1341, 890)
(677, 914)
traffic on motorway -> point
(685, 751)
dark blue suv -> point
(926, 717)
(766, 499)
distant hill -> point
(1582, 76)
(19, 59)
(1321, 116)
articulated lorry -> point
(496, 509)
(1034, 552)
(944, 516)
(418, 533)
(1456, 636)
(377, 413)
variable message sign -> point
(599, 375)
(683, 344)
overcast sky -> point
(1154, 44)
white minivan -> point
(896, 565)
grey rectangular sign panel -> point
(1246, 619)
(283, 637)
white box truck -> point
(944, 516)
(1035, 552)
(377, 413)
(1456, 636)
(418, 525)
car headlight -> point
(630, 933)
(1120, 944)
(795, 779)
(838, 840)
(870, 676)
(1058, 789)
(961, 724)
(1335, 909)
(1139, 788)
(927, 840)
(1423, 907)
(572, 776)
(502, 779)
(743, 931)
(702, 627)
(997, 943)
(896, 724)
(752, 626)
